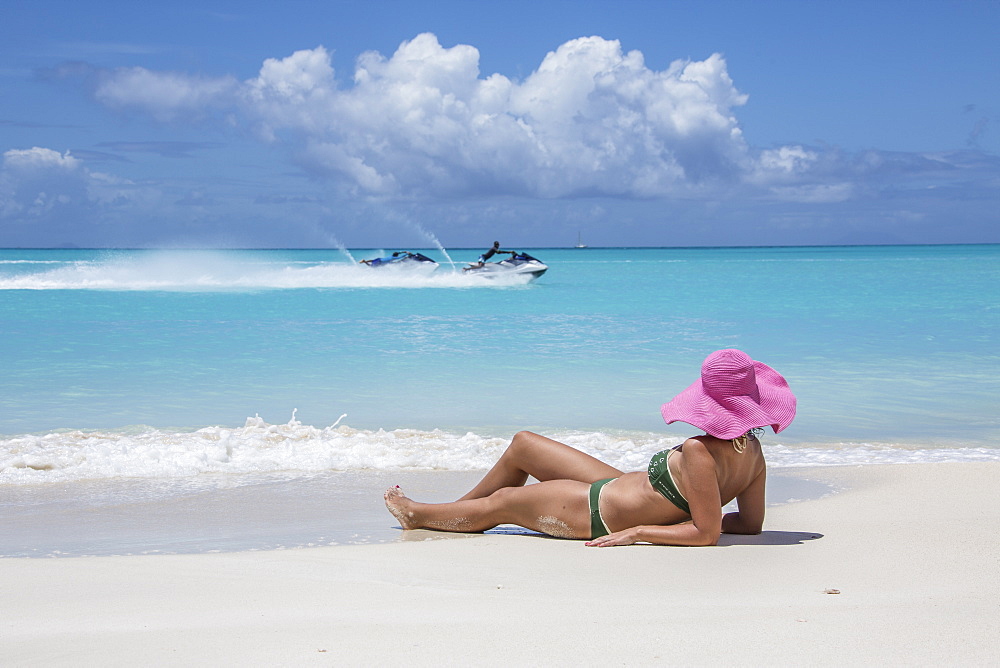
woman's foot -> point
(399, 505)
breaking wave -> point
(262, 448)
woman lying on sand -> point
(677, 501)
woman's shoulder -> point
(721, 450)
(703, 442)
(697, 448)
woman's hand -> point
(626, 537)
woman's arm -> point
(703, 498)
(674, 534)
(749, 519)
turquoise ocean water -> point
(188, 368)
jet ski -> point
(518, 264)
(404, 260)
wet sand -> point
(215, 514)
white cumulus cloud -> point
(38, 159)
(38, 180)
(590, 120)
(38, 183)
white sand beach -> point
(899, 568)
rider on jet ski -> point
(487, 255)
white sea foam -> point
(32, 262)
(858, 454)
(214, 271)
(260, 448)
(256, 447)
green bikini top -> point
(663, 481)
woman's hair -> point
(740, 442)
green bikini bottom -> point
(597, 527)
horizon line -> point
(436, 248)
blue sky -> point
(384, 124)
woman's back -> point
(734, 469)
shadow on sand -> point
(726, 540)
(769, 538)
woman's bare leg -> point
(557, 507)
(543, 459)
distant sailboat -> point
(579, 242)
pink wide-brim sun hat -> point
(734, 395)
